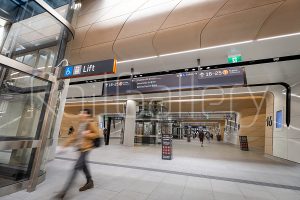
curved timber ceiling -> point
(140, 28)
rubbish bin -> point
(244, 143)
(219, 138)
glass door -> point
(23, 101)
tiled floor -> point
(123, 183)
(217, 159)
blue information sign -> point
(68, 71)
(89, 69)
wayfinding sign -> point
(222, 77)
(188, 80)
(166, 141)
(89, 69)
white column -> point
(59, 118)
(130, 117)
(101, 121)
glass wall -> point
(22, 103)
(34, 35)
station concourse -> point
(151, 99)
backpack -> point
(97, 142)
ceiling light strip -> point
(208, 48)
(279, 36)
(138, 59)
(188, 51)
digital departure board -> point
(188, 80)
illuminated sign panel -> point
(188, 80)
(89, 69)
(235, 59)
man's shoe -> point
(88, 185)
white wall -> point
(286, 141)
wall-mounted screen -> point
(279, 119)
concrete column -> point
(101, 121)
(130, 117)
(59, 118)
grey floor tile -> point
(129, 195)
(196, 194)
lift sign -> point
(89, 69)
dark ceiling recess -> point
(246, 63)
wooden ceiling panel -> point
(135, 47)
(92, 17)
(89, 6)
(144, 21)
(80, 35)
(95, 53)
(238, 5)
(104, 31)
(179, 38)
(151, 3)
(285, 20)
(193, 10)
(124, 8)
(236, 27)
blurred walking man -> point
(83, 140)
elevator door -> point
(23, 100)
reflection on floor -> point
(125, 183)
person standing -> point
(83, 140)
(201, 137)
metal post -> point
(39, 153)
(108, 130)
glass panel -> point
(15, 165)
(21, 103)
(30, 59)
(148, 128)
(35, 30)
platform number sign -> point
(269, 121)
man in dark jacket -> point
(201, 137)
